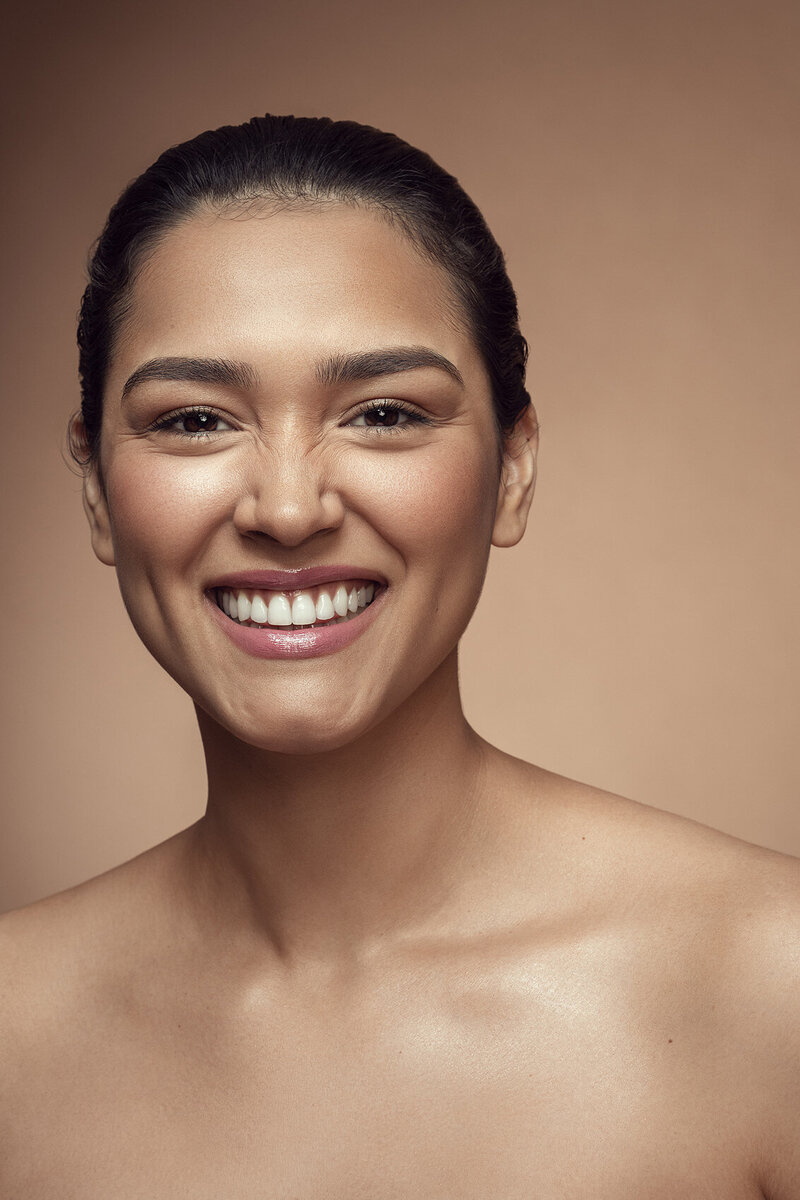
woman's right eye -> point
(192, 423)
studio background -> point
(638, 164)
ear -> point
(517, 480)
(95, 506)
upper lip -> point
(294, 581)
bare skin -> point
(390, 961)
(561, 994)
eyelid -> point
(169, 419)
(402, 406)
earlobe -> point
(96, 508)
(517, 480)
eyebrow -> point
(370, 364)
(219, 371)
(338, 368)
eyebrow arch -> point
(218, 371)
(370, 364)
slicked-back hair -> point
(295, 161)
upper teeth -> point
(281, 608)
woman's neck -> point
(326, 854)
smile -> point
(300, 622)
(324, 605)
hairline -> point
(271, 204)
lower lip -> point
(312, 642)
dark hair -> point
(292, 160)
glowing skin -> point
(390, 959)
(295, 476)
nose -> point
(287, 498)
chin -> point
(300, 733)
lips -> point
(295, 581)
(296, 614)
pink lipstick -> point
(299, 641)
(294, 581)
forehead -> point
(283, 289)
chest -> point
(433, 1103)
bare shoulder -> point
(738, 901)
(663, 849)
(60, 956)
(664, 852)
(713, 926)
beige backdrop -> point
(638, 163)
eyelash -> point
(392, 406)
(171, 420)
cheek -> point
(438, 497)
(164, 507)
(430, 499)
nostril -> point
(291, 520)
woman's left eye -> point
(193, 422)
(386, 416)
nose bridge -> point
(287, 491)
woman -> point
(390, 960)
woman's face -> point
(293, 393)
